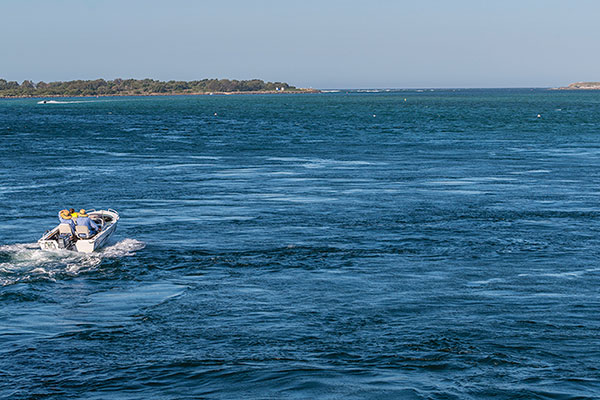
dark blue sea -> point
(390, 245)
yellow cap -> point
(82, 213)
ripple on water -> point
(446, 249)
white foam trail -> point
(59, 102)
(69, 102)
(26, 261)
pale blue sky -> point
(309, 43)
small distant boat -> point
(62, 237)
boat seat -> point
(65, 229)
(83, 231)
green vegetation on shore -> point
(124, 87)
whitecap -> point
(532, 171)
(124, 248)
(487, 281)
(564, 274)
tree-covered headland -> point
(137, 87)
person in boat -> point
(64, 217)
(84, 220)
(73, 214)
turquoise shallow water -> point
(343, 245)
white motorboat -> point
(63, 237)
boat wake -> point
(26, 262)
(66, 102)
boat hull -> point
(52, 240)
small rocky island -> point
(142, 87)
(582, 86)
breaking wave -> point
(24, 262)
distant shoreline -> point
(54, 96)
(142, 87)
(580, 86)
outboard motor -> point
(65, 241)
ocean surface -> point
(382, 245)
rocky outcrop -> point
(582, 86)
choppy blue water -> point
(413, 245)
